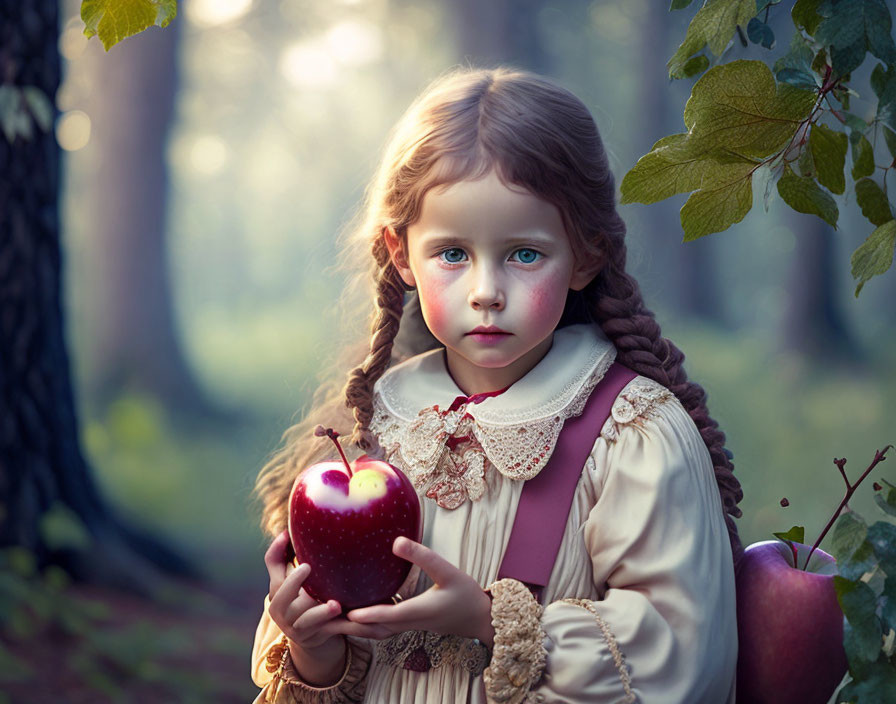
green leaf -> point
(862, 158)
(713, 26)
(854, 122)
(829, 152)
(674, 165)
(850, 548)
(859, 605)
(820, 62)
(888, 603)
(679, 4)
(114, 20)
(883, 83)
(797, 534)
(805, 14)
(890, 139)
(797, 78)
(882, 536)
(844, 26)
(805, 196)
(873, 202)
(798, 57)
(40, 106)
(878, 29)
(806, 163)
(725, 197)
(878, 686)
(694, 65)
(875, 255)
(737, 107)
(61, 528)
(888, 504)
(846, 60)
(760, 33)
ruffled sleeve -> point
(273, 671)
(664, 630)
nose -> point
(486, 291)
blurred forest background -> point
(208, 170)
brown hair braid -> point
(618, 307)
(389, 304)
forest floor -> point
(80, 644)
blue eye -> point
(454, 255)
(527, 256)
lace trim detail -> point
(519, 655)
(287, 688)
(421, 651)
(448, 453)
(636, 403)
(618, 656)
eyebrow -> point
(443, 239)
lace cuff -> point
(287, 688)
(519, 654)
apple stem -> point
(879, 456)
(320, 431)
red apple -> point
(790, 626)
(343, 519)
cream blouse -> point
(640, 605)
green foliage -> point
(866, 592)
(828, 149)
(875, 255)
(742, 111)
(21, 108)
(796, 534)
(112, 650)
(735, 116)
(712, 26)
(114, 20)
(804, 195)
(887, 503)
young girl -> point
(499, 255)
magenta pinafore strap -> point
(546, 498)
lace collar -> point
(444, 440)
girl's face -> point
(492, 267)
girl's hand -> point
(306, 622)
(455, 604)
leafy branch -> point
(747, 121)
(865, 587)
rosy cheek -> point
(547, 297)
(433, 304)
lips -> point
(488, 330)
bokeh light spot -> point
(73, 130)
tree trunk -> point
(812, 324)
(41, 464)
(133, 343)
(500, 32)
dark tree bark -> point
(41, 462)
(812, 324)
(134, 343)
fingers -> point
(276, 560)
(437, 567)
